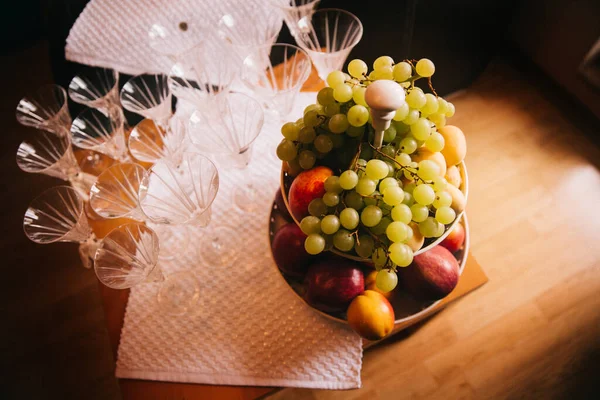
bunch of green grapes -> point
(374, 205)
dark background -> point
(53, 337)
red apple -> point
(288, 251)
(455, 238)
(307, 186)
(281, 205)
(432, 275)
(332, 283)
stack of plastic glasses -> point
(150, 141)
(328, 35)
(129, 256)
(46, 109)
(148, 96)
(97, 88)
(97, 130)
(49, 154)
(276, 88)
(294, 11)
(58, 215)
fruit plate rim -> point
(461, 266)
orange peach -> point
(453, 176)
(371, 315)
(423, 154)
(417, 239)
(455, 147)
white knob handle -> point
(383, 97)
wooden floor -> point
(533, 331)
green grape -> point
(393, 196)
(286, 150)
(364, 246)
(328, 242)
(408, 145)
(424, 194)
(380, 228)
(412, 117)
(358, 115)
(401, 254)
(389, 150)
(439, 183)
(402, 213)
(357, 68)
(336, 78)
(408, 199)
(435, 142)
(402, 71)
(401, 127)
(442, 106)
(397, 231)
(389, 134)
(373, 199)
(425, 67)
(371, 216)
(431, 106)
(428, 170)
(331, 109)
(294, 167)
(307, 159)
(338, 140)
(416, 98)
(355, 131)
(441, 228)
(410, 187)
(383, 61)
(331, 199)
(391, 168)
(332, 184)
(343, 240)
(379, 257)
(316, 107)
(325, 96)
(306, 135)
(403, 158)
(401, 113)
(338, 123)
(342, 93)
(429, 227)
(361, 162)
(349, 218)
(421, 129)
(290, 131)
(438, 120)
(317, 208)
(419, 212)
(323, 143)
(330, 224)
(366, 186)
(358, 95)
(348, 180)
(310, 225)
(442, 199)
(385, 73)
(314, 244)
(376, 169)
(388, 182)
(445, 215)
(451, 110)
(386, 280)
(354, 200)
(312, 119)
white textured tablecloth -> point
(249, 327)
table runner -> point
(249, 327)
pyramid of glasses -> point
(127, 186)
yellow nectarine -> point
(371, 315)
